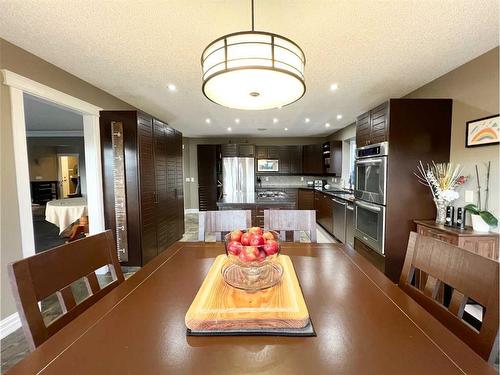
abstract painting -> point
(483, 131)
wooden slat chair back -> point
(470, 275)
(295, 221)
(222, 222)
(52, 272)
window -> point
(352, 157)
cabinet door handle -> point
(155, 197)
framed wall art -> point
(482, 132)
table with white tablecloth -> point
(64, 212)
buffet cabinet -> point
(484, 244)
(142, 184)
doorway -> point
(68, 175)
(56, 163)
(20, 86)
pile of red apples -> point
(254, 245)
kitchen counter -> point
(332, 192)
(251, 199)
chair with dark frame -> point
(430, 265)
(52, 272)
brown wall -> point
(474, 90)
(30, 66)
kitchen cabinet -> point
(484, 244)
(312, 159)
(373, 126)
(332, 158)
(289, 157)
(416, 130)
(207, 177)
(324, 206)
(153, 209)
(339, 218)
(305, 199)
(242, 150)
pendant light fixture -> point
(253, 70)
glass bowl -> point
(252, 267)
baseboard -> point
(191, 211)
(9, 325)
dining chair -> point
(221, 222)
(469, 277)
(294, 221)
(35, 278)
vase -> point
(478, 224)
(440, 211)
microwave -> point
(267, 165)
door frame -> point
(59, 174)
(18, 86)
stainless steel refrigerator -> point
(238, 176)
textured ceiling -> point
(373, 50)
(42, 116)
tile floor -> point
(14, 347)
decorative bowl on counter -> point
(252, 259)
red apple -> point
(234, 247)
(245, 238)
(268, 236)
(262, 256)
(255, 230)
(271, 247)
(249, 254)
(257, 240)
(235, 235)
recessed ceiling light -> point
(339, 116)
(261, 129)
(334, 86)
(275, 120)
(327, 125)
(307, 119)
(237, 120)
(208, 121)
(286, 129)
(172, 87)
(229, 129)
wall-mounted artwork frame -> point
(483, 131)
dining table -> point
(64, 212)
(364, 324)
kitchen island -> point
(249, 201)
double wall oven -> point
(370, 193)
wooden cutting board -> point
(219, 306)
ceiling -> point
(374, 50)
(44, 117)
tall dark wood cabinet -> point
(153, 182)
(312, 159)
(416, 130)
(207, 177)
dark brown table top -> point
(364, 324)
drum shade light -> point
(253, 70)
